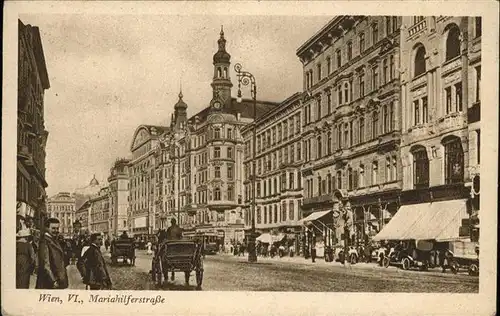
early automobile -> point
(123, 248)
(178, 256)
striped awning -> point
(427, 221)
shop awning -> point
(277, 238)
(437, 220)
(265, 238)
(315, 216)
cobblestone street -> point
(229, 273)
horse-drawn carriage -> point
(178, 256)
(123, 248)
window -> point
(350, 181)
(318, 147)
(394, 168)
(362, 130)
(351, 134)
(458, 97)
(230, 193)
(478, 83)
(448, 100)
(319, 72)
(339, 90)
(385, 114)
(388, 25)
(259, 215)
(478, 26)
(291, 180)
(329, 183)
(420, 168)
(374, 173)
(230, 172)
(478, 148)
(329, 143)
(216, 132)
(394, 23)
(453, 43)
(217, 194)
(374, 125)
(388, 169)
(374, 78)
(349, 51)
(328, 65)
(339, 58)
(361, 85)
(320, 188)
(361, 43)
(391, 67)
(230, 152)
(318, 108)
(339, 136)
(454, 161)
(385, 71)
(275, 213)
(217, 172)
(299, 154)
(283, 211)
(361, 180)
(425, 110)
(419, 64)
(329, 102)
(339, 180)
(292, 153)
(265, 214)
(346, 92)
(374, 33)
(216, 152)
(346, 135)
(230, 133)
(416, 112)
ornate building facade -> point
(118, 192)
(32, 136)
(351, 128)
(441, 105)
(99, 212)
(62, 207)
(192, 169)
(278, 161)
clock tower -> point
(221, 82)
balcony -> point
(417, 28)
(325, 198)
(452, 121)
(418, 132)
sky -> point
(111, 73)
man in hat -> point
(93, 267)
(25, 259)
(51, 266)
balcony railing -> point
(417, 28)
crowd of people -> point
(47, 255)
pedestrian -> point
(313, 251)
(25, 259)
(51, 266)
(174, 232)
(149, 246)
(93, 267)
(107, 243)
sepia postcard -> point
(249, 158)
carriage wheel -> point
(406, 263)
(474, 270)
(386, 261)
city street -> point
(229, 273)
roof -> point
(38, 52)
(245, 108)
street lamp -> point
(247, 78)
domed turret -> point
(94, 182)
(221, 56)
(180, 104)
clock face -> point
(217, 105)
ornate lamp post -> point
(247, 78)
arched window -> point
(219, 72)
(420, 167)
(419, 65)
(225, 73)
(453, 43)
(361, 173)
(339, 180)
(453, 160)
(350, 179)
(349, 51)
(329, 144)
(318, 144)
(374, 124)
(346, 92)
(362, 130)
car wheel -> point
(406, 263)
(474, 270)
(386, 261)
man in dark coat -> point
(25, 259)
(51, 259)
(93, 267)
(174, 232)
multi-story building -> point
(440, 146)
(351, 131)
(62, 207)
(192, 169)
(82, 215)
(118, 183)
(99, 212)
(279, 179)
(32, 136)
(83, 194)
